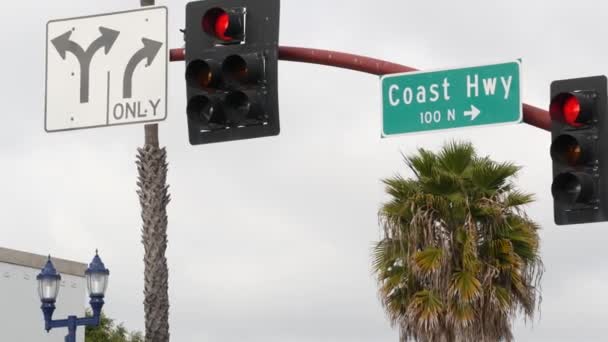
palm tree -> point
(153, 197)
(458, 258)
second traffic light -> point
(231, 69)
(579, 149)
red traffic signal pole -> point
(532, 115)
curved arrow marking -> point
(106, 40)
(64, 44)
(149, 51)
(473, 113)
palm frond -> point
(387, 253)
(421, 164)
(455, 157)
(425, 309)
(465, 287)
(461, 315)
(501, 298)
(517, 199)
(489, 176)
(398, 187)
(428, 260)
(441, 183)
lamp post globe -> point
(97, 277)
(48, 283)
(48, 289)
(97, 282)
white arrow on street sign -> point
(107, 69)
(473, 113)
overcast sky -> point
(269, 239)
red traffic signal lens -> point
(571, 109)
(226, 26)
(221, 26)
(574, 108)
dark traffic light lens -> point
(567, 150)
(243, 108)
(238, 100)
(202, 74)
(206, 111)
(243, 68)
(235, 68)
(237, 108)
(571, 188)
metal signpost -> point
(435, 100)
(102, 71)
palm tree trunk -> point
(154, 197)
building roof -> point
(63, 266)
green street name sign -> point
(435, 100)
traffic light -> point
(231, 69)
(579, 149)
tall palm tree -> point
(153, 197)
(458, 258)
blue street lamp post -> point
(48, 289)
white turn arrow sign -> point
(473, 113)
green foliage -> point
(107, 331)
(458, 258)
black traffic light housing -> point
(232, 69)
(579, 150)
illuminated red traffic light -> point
(579, 149)
(221, 27)
(571, 109)
(574, 109)
(226, 26)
